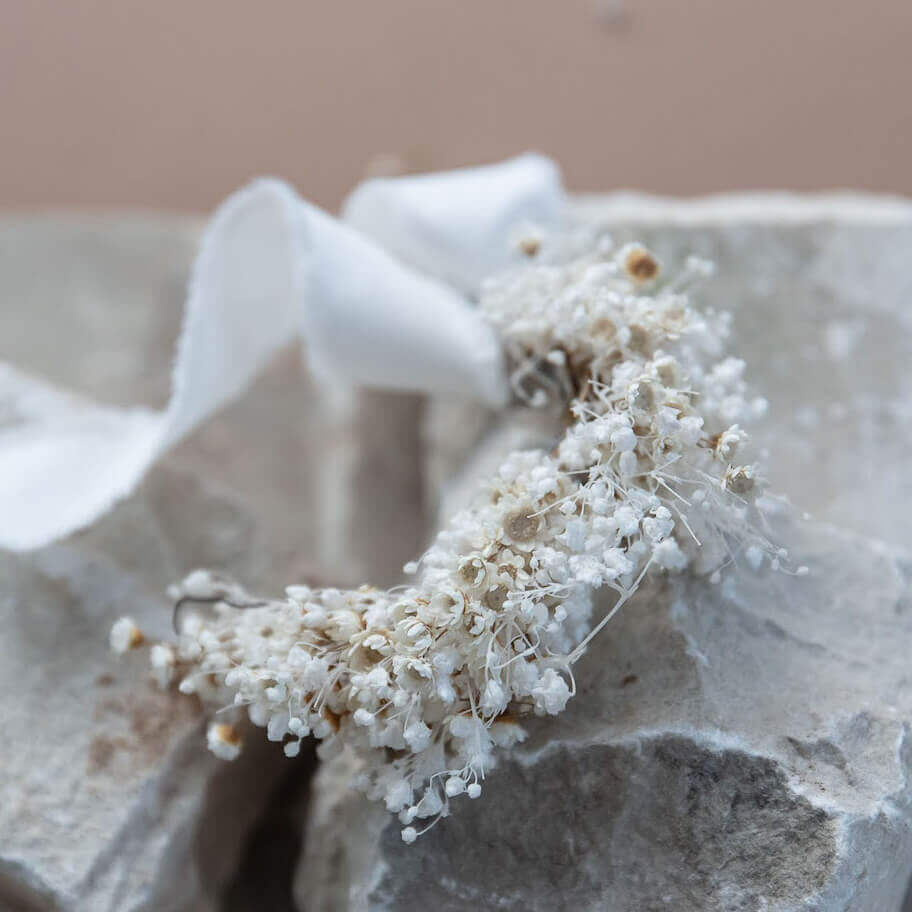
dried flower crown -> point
(423, 682)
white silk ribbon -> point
(380, 299)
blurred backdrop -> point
(172, 103)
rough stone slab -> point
(104, 777)
(819, 290)
(109, 799)
(739, 747)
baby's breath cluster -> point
(424, 682)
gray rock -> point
(818, 288)
(729, 747)
(109, 799)
(740, 747)
(733, 747)
(105, 779)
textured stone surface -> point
(729, 747)
(818, 289)
(109, 799)
(734, 747)
(737, 747)
(819, 292)
(104, 778)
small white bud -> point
(292, 748)
(455, 785)
(125, 635)
(363, 717)
(223, 740)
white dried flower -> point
(162, 659)
(223, 740)
(124, 636)
(424, 682)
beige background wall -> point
(172, 103)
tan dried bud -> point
(522, 525)
(228, 733)
(472, 571)
(640, 264)
(529, 246)
(495, 597)
(739, 480)
(604, 328)
(639, 338)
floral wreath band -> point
(424, 682)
